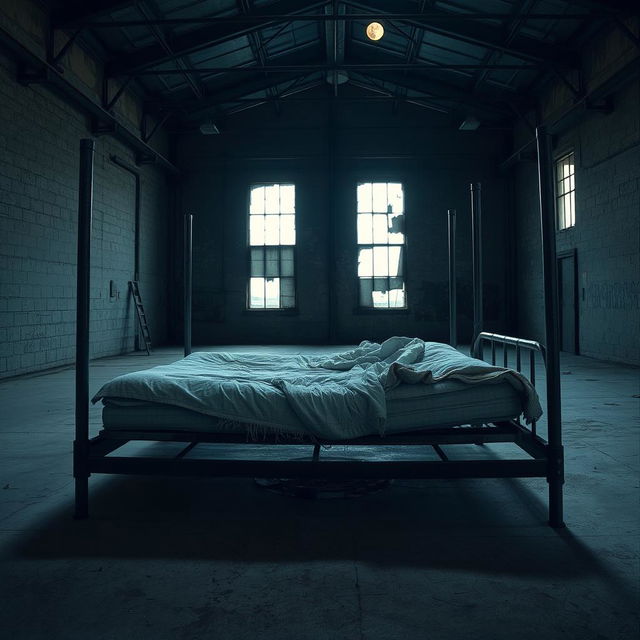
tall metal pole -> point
(476, 231)
(81, 443)
(188, 245)
(453, 312)
(555, 475)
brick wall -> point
(425, 152)
(606, 236)
(39, 151)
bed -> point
(411, 392)
(427, 406)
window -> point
(381, 240)
(272, 239)
(565, 191)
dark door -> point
(567, 287)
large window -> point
(381, 240)
(566, 191)
(272, 239)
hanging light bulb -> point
(374, 31)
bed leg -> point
(82, 498)
(556, 480)
(81, 477)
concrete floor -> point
(216, 558)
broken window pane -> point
(365, 263)
(272, 293)
(395, 261)
(381, 239)
(395, 197)
(366, 292)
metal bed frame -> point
(96, 455)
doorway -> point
(568, 302)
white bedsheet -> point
(339, 397)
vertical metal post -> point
(555, 475)
(81, 442)
(476, 231)
(453, 312)
(188, 245)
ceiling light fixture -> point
(374, 31)
(209, 128)
(470, 123)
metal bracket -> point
(578, 92)
(147, 136)
(55, 59)
(109, 104)
(627, 32)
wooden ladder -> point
(142, 318)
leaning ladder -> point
(142, 318)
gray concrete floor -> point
(222, 558)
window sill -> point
(277, 312)
(381, 310)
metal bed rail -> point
(502, 343)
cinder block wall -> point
(426, 152)
(606, 236)
(39, 159)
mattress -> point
(410, 407)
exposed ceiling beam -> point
(213, 34)
(608, 6)
(247, 87)
(521, 9)
(82, 11)
(438, 90)
(479, 33)
(311, 67)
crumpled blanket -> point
(336, 397)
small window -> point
(381, 245)
(565, 191)
(272, 239)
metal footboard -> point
(525, 357)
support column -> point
(188, 250)
(453, 311)
(555, 474)
(476, 231)
(81, 442)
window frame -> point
(359, 308)
(294, 247)
(558, 158)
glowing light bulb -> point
(374, 31)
